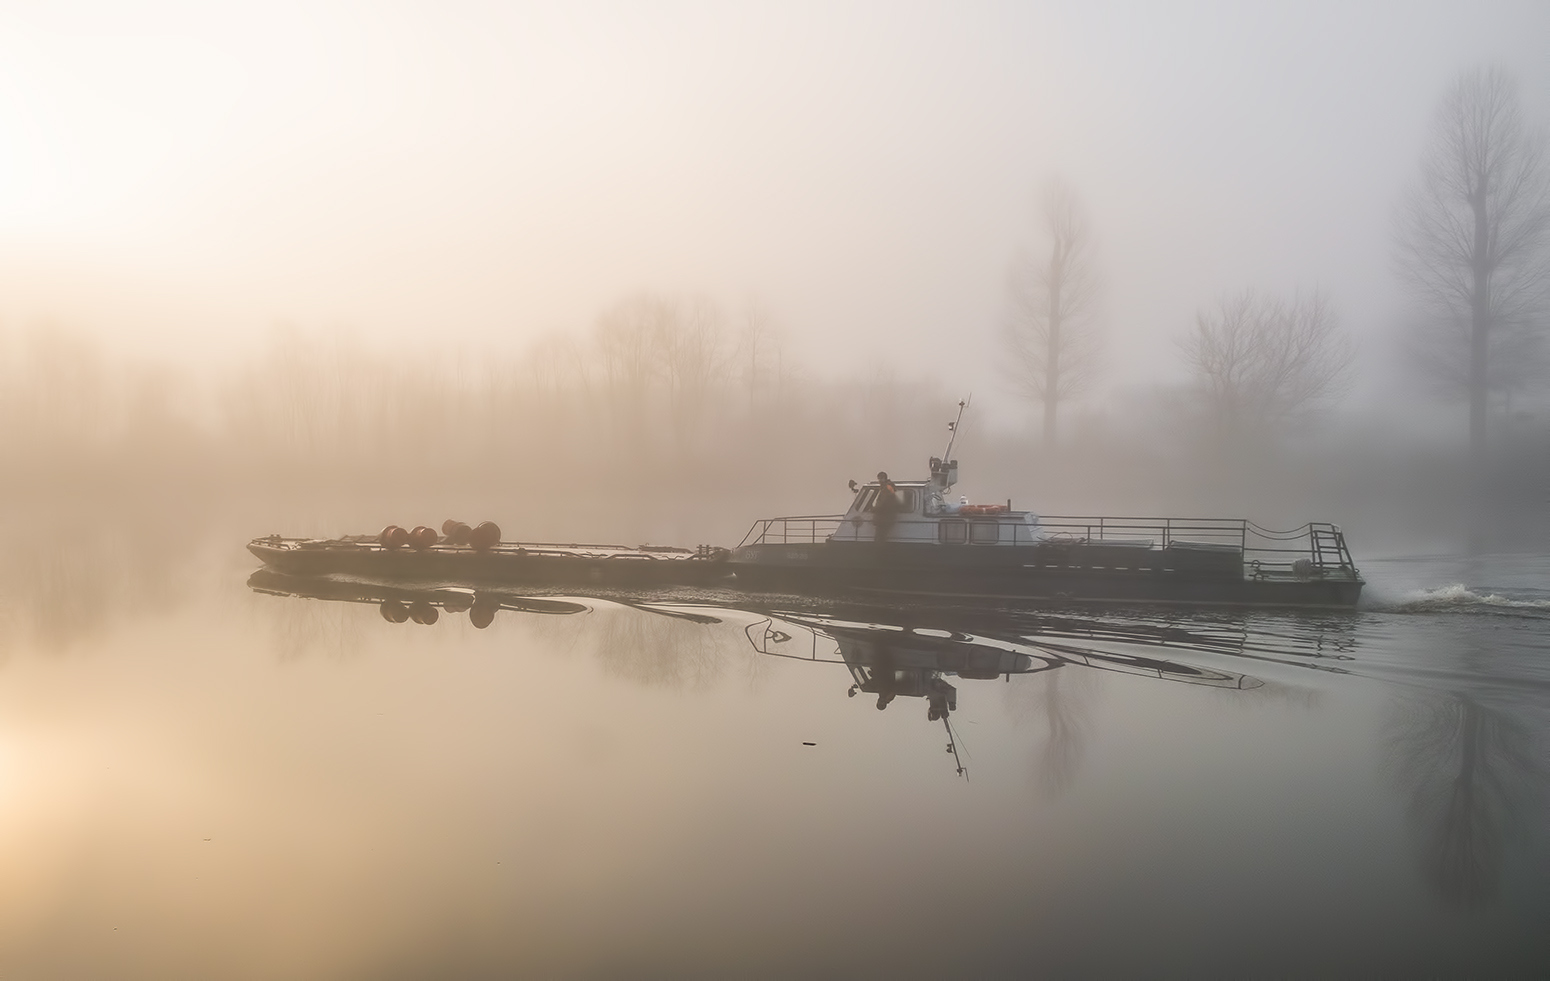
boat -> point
(386, 558)
(926, 545)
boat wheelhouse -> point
(922, 543)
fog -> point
(643, 274)
(599, 272)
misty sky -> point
(179, 178)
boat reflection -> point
(399, 604)
(1466, 763)
(892, 661)
(890, 653)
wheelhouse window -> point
(952, 531)
(985, 532)
(909, 500)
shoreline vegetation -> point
(665, 421)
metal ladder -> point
(1328, 546)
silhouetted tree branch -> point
(1259, 360)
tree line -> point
(666, 397)
(660, 391)
(1472, 246)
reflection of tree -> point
(301, 630)
(1064, 698)
(657, 650)
(63, 579)
(1468, 771)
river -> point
(206, 774)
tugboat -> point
(907, 538)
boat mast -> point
(952, 427)
(952, 747)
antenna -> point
(952, 747)
(952, 427)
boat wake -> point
(1453, 598)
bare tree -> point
(761, 351)
(1472, 237)
(553, 392)
(555, 363)
(1260, 360)
(691, 347)
(624, 345)
(1054, 290)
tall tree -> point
(1259, 359)
(1472, 239)
(762, 353)
(1054, 289)
(625, 354)
(691, 348)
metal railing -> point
(1315, 550)
(803, 529)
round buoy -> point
(423, 537)
(482, 613)
(422, 612)
(448, 525)
(457, 533)
(394, 537)
(454, 602)
(486, 536)
(393, 611)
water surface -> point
(203, 776)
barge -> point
(387, 558)
(905, 538)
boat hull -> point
(516, 564)
(1032, 574)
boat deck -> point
(545, 562)
(1316, 550)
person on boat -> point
(886, 511)
(880, 676)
